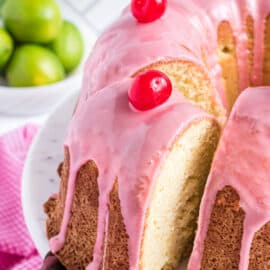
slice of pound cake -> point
(234, 222)
(131, 182)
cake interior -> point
(228, 61)
(173, 210)
(193, 83)
(266, 63)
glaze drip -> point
(245, 166)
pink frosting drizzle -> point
(243, 162)
(133, 153)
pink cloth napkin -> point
(17, 251)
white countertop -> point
(97, 14)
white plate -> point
(40, 179)
(37, 100)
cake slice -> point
(234, 222)
(131, 183)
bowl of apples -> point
(42, 51)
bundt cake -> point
(234, 222)
(132, 178)
(209, 49)
(129, 178)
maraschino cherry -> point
(148, 10)
(149, 90)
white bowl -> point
(25, 101)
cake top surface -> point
(134, 45)
(186, 31)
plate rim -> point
(29, 218)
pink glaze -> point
(186, 28)
(126, 145)
(243, 162)
(128, 46)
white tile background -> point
(97, 14)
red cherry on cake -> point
(149, 90)
(148, 10)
